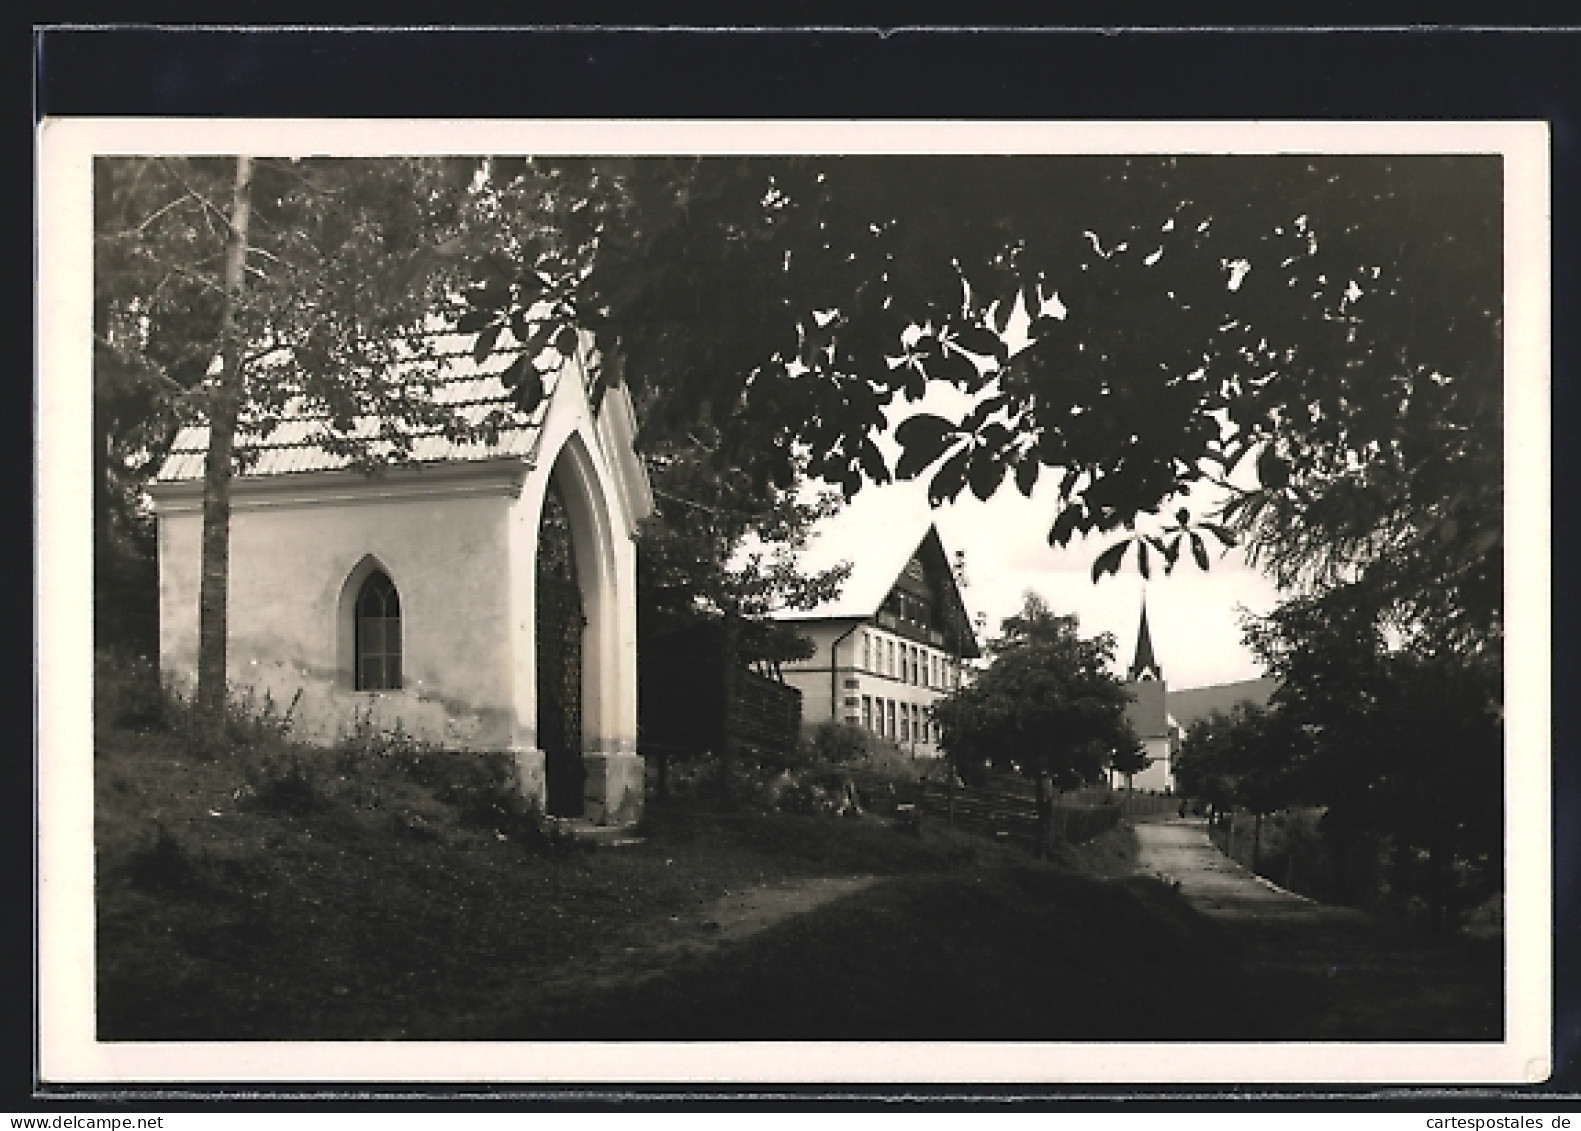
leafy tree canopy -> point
(720, 546)
(339, 287)
(1046, 701)
(1318, 336)
(1242, 757)
(1399, 740)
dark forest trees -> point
(1047, 701)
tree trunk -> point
(223, 404)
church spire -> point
(1145, 666)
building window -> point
(867, 652)
(867, 712)
(378, 630)
(889, 648)
(891, 718)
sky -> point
(1194, 615)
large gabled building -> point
(892, 643)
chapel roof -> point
(305, 441)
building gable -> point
(924, 601)
(910, 589)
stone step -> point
(601, 836)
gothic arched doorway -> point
(559, 628)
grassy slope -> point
(381, 913)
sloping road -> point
(1327, 972)
(1177, 850)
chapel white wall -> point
(288, 570)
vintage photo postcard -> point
(594, 602)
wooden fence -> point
(1079, 815)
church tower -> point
(1148, 711)
(1145, 666)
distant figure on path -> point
(1045, 813)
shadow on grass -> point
(376, 899)
(1017, 953)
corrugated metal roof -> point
(305, 443)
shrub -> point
(836, 744)
(365, 743)
(485, 794)
(247, 724)
(163, 863)
(286, 783)
(1077, 825)
(818, 792)
(129, 694)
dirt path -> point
(1330, 973)
(1177, 849)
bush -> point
(129, 694)
(163, 863)
(818, 792)
(286, 784)
(836, 744)
(1079, 825)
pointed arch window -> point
(378, 627)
